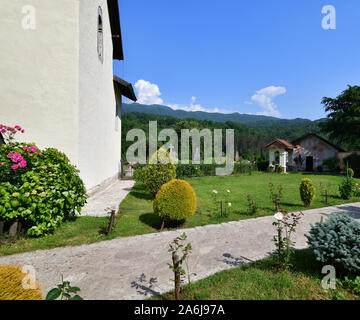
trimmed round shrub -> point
(11, 287)
(347, 188)
(160, 171)
(38, 188)
(140, 174)
(337, 242)
(176, 200)
(350, 172)
(307, 191)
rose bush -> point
(40, 189)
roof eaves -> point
(114, 16)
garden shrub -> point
(200, 170)
(337, 242)
(332, 164)
(353, 161)
(262, 165)
(140, 173)
(176, 200)
(347, 188)
(159, 172)
(38, 188)
(307, 191)
(192, 170)
(11, 287)
(350, 172)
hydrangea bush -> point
(337, 242)
(38, 188)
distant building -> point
(306, 153)
(56, 80)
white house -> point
(56, 80)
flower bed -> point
(38, 188)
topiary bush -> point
(337, 242)
(160, 171)
(347, 188)
(176, 200)
(11, 288)
(307, 191)
(140, 174)
(38, 188)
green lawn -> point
(262, 280)
(136, 215)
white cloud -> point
(148, 93)
(193, 106)
(264, 98)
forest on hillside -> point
(250, 139)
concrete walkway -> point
(101, 203)
(136, 267)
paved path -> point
(101, 203)
(136, 267)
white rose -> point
(228, 191)
(278, 216)
(229, 204)
(214, 191)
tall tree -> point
(343, 121)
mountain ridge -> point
(243, 118)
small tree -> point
(307, 191)
(275, 196)
(177, 247)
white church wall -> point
(99, 141)
(39, 71)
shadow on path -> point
(230, 260)
(144, 287)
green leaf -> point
(53, 294)
(73, 289)
(77, 297)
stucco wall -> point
(39, 72)
(99, 143)
(316, 148)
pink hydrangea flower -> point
(22, 164)
(14, 166)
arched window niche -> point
(100, 36)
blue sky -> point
(246, 56)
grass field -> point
(136, 216)
(262, 280)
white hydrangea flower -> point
(278, 216)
